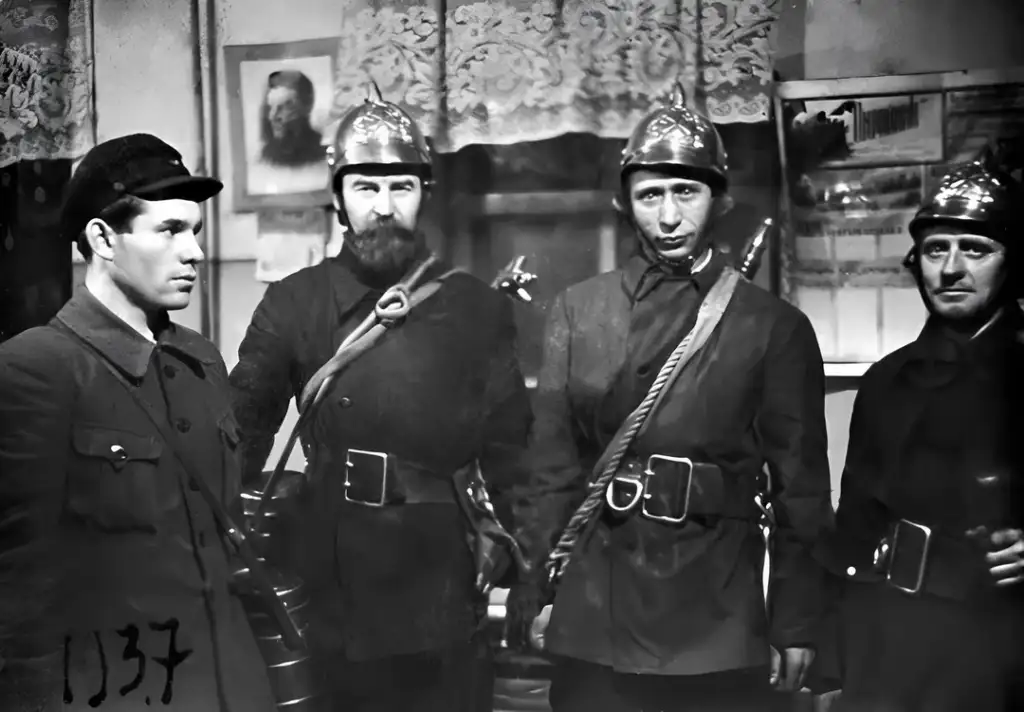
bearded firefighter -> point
(376, 534)
(928, 548)
(661, 604)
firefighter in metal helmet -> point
(381, 176)
(979, 199)
(680, 141)
(376, 532)
(661, 603)
(928, 549)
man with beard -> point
(928, 545)
(661, 607)
(375, 533)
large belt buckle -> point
(349, 465)
(650, 472)
(888, 549)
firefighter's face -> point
(961, 272)
(373, 199)
(671, 212)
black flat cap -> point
(140, 165)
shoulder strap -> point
(232, 533)
(709, 315)
(393, 306)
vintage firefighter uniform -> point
(933, 469)
(653, 613)
(385, 558)
(129, 561)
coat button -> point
(643, 370)
(184, 425)
(169, 371)
(119, 453)
(851, 571)
(346, 402)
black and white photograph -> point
(511, 356)
(279, 99)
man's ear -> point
(100, 237)
(723, 204)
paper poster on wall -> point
(853, 220)
(988, 117)
(905, 128)
(289, 240)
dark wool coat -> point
(643, 596)
(440, 390)
(108, 557)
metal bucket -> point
(292, 676)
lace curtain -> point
(46, 57)
(522, 70)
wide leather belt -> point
(916, 559)
(380, 479)
(672, 490)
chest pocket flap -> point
(117, 447)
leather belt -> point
(380, 479)
(916, 559)
(672, 490)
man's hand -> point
(539, 627)
(790, 669)
(522, 609)
(1006, 560)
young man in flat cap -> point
(117, 444)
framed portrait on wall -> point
(859, 157)
(279, 96)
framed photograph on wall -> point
(279, 96)
(859, 156)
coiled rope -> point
(579, 524)
(393, 306)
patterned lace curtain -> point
(528, 70)
(46, 57)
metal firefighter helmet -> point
(979, 194)
(678, 135)
(379, 133)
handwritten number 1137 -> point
(130, 634)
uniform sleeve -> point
(554, 484)
(507, 420)
(35, 434)
(261, 381)
(795, 445)
(858, 521)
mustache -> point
(385, 231)
(385, 248)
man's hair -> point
(119, 215)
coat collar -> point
(120, 344)
(641, 274)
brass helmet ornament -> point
(677, 136)
(378, 133)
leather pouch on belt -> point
(677, 486)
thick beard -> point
(385, 250)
